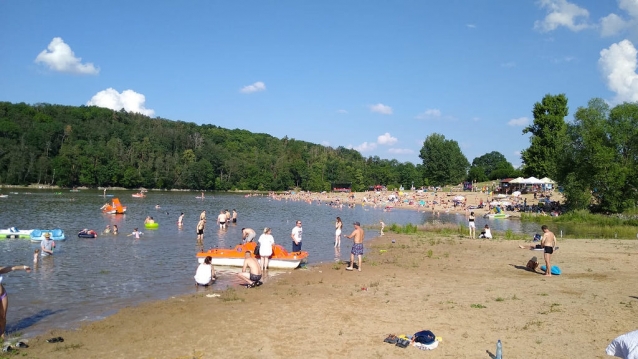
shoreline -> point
(469, 292)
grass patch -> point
(499, 299)
(583, 224)
(478, 306)
(230, 295)
(68, 346)
(529, 324)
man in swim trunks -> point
(221, 219)
(201, 225)
(357, 247)
(247, 235)
(548, 241)
(234, 216)
(253, 276)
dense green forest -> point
(91, 146)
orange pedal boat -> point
(114, 208)
(234, 257)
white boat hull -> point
(239, 262)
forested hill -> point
(92, 146)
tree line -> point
(91, 146)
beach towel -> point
(625, 346)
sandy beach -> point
(468, 292)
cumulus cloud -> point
(613, 24)
(521, 121)
(381, 108)
(342, 111)
(618, 65)
(364, 147)
(58, 56)
(386, 139)
(562, 13)
(128, 100)
(256, 87)
(401, 151)
(430, 113)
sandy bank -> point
(469, 292)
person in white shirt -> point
(266, 241)
(205, 274)
(296, 237)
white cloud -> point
(562, 13)
(471, 26)
(618, 65)
(129, 100)
(364, 147)
(401, 151)
(430, 113)
(386, 139)
(58, 56)
(613, 24)
(521, 121)
(342, 111)
(381, 108)
(256, 87)
(325, 143)
(517, 153)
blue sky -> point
(377, 76)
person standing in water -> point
(296, 237)
(201, 225)
(180, 220)
(338, 226)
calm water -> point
(88, 279)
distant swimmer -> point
(234, 216)
(180, 220)
(157, 206)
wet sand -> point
(468, 292)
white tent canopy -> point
(517, 180)
(547, 180)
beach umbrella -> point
(516, 193)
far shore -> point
(470, 293)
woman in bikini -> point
(338, 226)
(4, 301)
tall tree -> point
(490, 162)
(548, 135)
(443, 161)
(600, 159)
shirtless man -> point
(357, 247)
(201, 225)
(253, 276)
(247, 235)
(548, 241)
(221, 219)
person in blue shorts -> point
(357, 247)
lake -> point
(89, 279)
